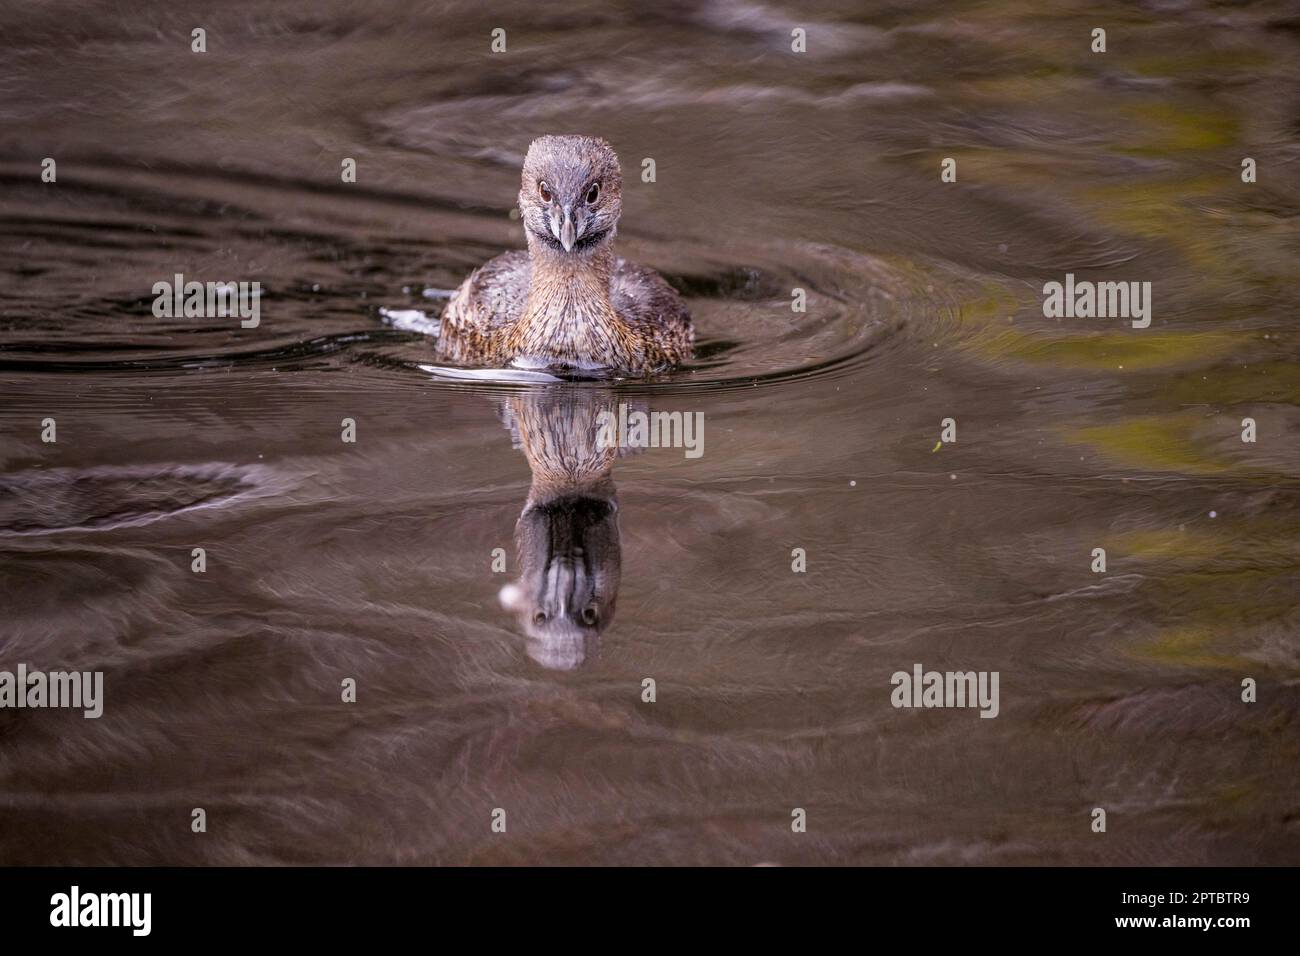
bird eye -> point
(593, 194)
(545, 191)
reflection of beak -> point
(564, 231)
(561, 583)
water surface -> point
(373, 561)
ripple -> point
(332, 281)
(747, 332)
(97, 499)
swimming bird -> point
(568, 302)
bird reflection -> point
(566, 540)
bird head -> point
(570, 194)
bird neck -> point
(585, 273)
(567, 315)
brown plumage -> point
(568, 302)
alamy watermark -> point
(923, 688)
(1101, 300)
(75, 689)
(75, 908)
(208, 300)
(638, 429)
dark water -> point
(373, 561)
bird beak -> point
(564, 231)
